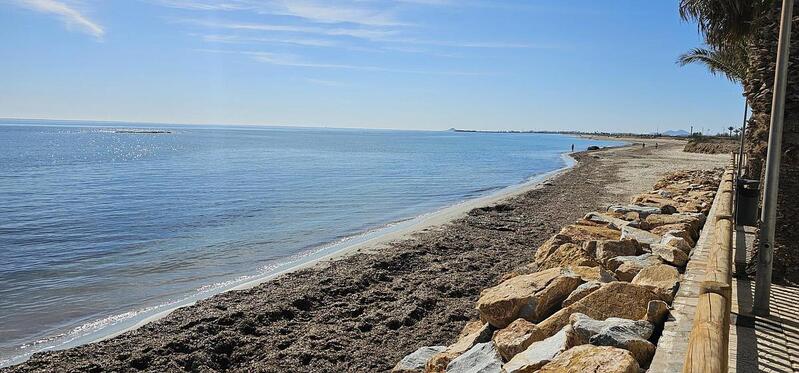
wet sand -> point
(365, 310)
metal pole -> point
(741, 149)
(769, 215)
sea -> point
(105, 225)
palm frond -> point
(730, 62)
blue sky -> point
(410, 64)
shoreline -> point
(368, 241)
(360, 300)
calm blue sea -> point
(100, 228)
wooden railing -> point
(708, 345)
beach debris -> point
(516, 338)
(670, 254)
(581, 292)
(542, 352)
(482, 358)
(416, 361)
(589, 358)
(532, 297)
(663, 277)
(473, 332)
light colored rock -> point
(569, 254)
(531, 297)
(482, 358)
(642, 211)
(677, 242)
(631, 335)
(549, 247)
(626, 267)
(666, 205)
(597, 274)
(606, 249)
(581, 292)
(515, 338)
(473, 333)
(616, 299)
(594, 359)
(640, 235)
(670, 254)
(656, 312)
(415, 362)
(541, 352)
(678, 230)
(663, 277)
(613, 222)
(657, 220)
(588, 231)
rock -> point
(664, 278)
(581, 292)
(588, 358)
(668, 209)
(542, 352)
(605, 250)
(616, 299)
(677, 242)
(642, 211)
(416, 361)
(549, 247)
(569, 254)
(693, 220)
(482, 358)
(666, 205)
(613, 222)
(670, 254)
(597, 274)
(585, 327)
(640, 235)
(587, 231)
(626, 267)
(473, 333)
(656, 312)
(532, 297)
(618, 336)
(683, 230)
(516, 338)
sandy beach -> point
(366, 308)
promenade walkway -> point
(763, 344)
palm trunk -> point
(758, 87)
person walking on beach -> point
(656, 145)
(572, 148)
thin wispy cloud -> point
(71, 16)
(291, 60)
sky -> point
(405, 64)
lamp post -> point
(768, 216)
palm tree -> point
(755, 24)
(730, 128)
(730, 61)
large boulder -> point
(541, 352)
(482, 358)
(666, 205)
(616, 299)
(664, 278)
(416, 361)
(549, 247)
(581, 292)
(588, 231)
(595, 359)
(626, 267)
(598, 274)
(531, 297)
(631, 335)
(607, 249)
(516, 338)
(656, 312)
(473, 333)
(640, 235)
(642, 211)
(611, 221)
(678, 242)
(568, 254)
(670, 254)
